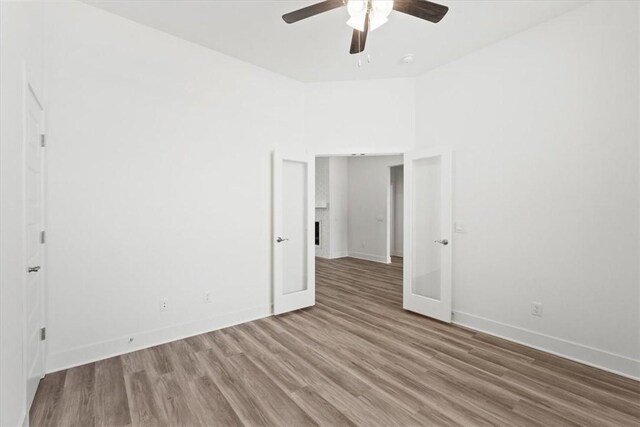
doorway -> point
(357, 219)
(363, 216)
(353, 206)
(358, 211)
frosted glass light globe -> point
(380, 10)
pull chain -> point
(360, 47)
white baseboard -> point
(369, 257)
(398, 254)
(339, 254)
(597, 358)
(103, 350)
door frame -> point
(357, 153)
(28, 89)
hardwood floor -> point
(356, 358)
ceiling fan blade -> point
(359, 38)
(421, 9)
(309, 11)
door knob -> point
(33, 269)
(280, 239)
(442, 242)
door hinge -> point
(42, 237)
(43, 334)
(42, 140)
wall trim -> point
(594, 357)
(369, 257)
(339, 254)
(614, 363)
(116, 347)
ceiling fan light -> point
(382, 7)
(356, 7)
(356, 22)
(380, 10)
(377, 21)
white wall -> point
(397, 229)
(369, 179)
(339, 206)
(545, 131)
(160, 166)
(368, 116)
(20, 44)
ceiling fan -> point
(367, 15)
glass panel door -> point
(293, 229)
(427, 243)
(427, 228)
(294, 226)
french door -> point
(293, 228)
(427, 233)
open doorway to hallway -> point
(359, 223)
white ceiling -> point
(317, 49)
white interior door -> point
(427, 233)
(34, 292)
(293, 228)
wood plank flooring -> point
(356, 358)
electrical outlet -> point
(536, 309)
(164, 304)
(206, 297)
